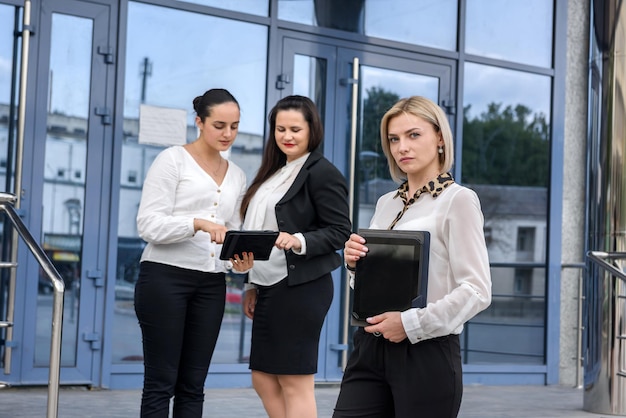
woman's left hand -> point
(243, 263)
(387, 325)
(286, 241)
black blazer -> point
(315, 205)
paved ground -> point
(478, 402)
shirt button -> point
(219, 191)
(215, 204)
(212, 255)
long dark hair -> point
(203, 104)
(273, 157)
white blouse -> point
(261, 215)
(459, 279)
(177, 190)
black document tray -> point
(260, 243)
(393, 276)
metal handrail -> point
(600, 257)
(58, 285)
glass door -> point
(353, 88)
(376, 83)
(155, 80)
(70, 187)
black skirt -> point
(287, 325)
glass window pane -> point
(7, 28)
(512, 329)
(8, 126)
(255, 7)
(299, 11)
(506, 152)
(426, 23)
(512, 30)
(166, 67)
(506, 128)
(419, 22)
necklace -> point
(206, 166)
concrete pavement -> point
(478, 402)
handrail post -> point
(58, 286)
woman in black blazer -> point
(301, 194)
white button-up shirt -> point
(459, 279)
(177, 190)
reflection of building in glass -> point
(515, 231)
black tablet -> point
(259, 243)
(393, 276)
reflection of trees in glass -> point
(507, 146)
(372, 160)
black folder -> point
(393, 276)
(260, 243)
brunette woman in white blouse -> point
(301, 194)
(191, 197)
(408, 364)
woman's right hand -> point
(354, 250)
(249, 302)
(217, 231)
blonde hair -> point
(430, 112)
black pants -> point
(386, 380)
(180, 314)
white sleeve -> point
(155, 219)
(468, 274)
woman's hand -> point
(217, 231)
(249, 302)
(387, 325)
(286, 241)
(243, 263)
(354, 250)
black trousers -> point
(390, 380)
(180, 314)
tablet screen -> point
(394, 274)
(260, 243)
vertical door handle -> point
(354, 102)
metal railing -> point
(605, 371)
(6, 205)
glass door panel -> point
(69, 200)
(9, 76)
(379, 89)
(376, 82)
(310, 79)
(154, 77)
(64, 177)
(324, 73)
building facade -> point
(511, 75)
